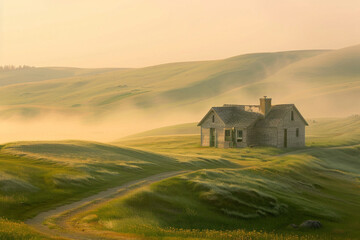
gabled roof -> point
(277, 114)
(237, 116)
(234, 116)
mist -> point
(68, 127)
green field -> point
(267, 190)
(181, 129)
(36, 176)
(163, 86)
(230, 193)
(285, 186)
(317, 81)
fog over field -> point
(106, 104)
(60, 127)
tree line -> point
(6, 68)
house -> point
(233, 126)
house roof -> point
(234, 116)
(276, 114)
(237, 116)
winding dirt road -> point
(62, 214)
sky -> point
(137, 33)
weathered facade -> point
(232, 126)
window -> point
(292, 115)
(239, 136)
(213, 118)
(297, 132)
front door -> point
(285, 138)
(212, 137)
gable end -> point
(206, 116)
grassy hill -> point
(283, 185)
(66, 168)
(179, 129)
(28, 75)
(320, 83)
(175, 86)
(321, 131)
(36, 176)
(268, 190)
(321, 80)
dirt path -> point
(65, 212)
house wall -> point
(223, 143)
(262, 136)
(220, 133)
(207, 123)
(291, 126)
(257, 136)
(205, 137)
(244, 142)
(220, 137)
(205, 130)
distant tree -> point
(7, 68)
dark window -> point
(297, 132)
(292, 115)
(239, 137)
(213, 118)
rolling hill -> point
(33, 74)
(285, 185)
(168, 86)
(321, 131)
(321, 83)
(269, 190)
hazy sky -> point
(133, 33)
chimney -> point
(265, 105)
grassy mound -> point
(269, 190)
(334, 132)
(288, 189)
(37, 175)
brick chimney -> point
(265, 105)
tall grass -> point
(37, 176)
(267, 191)
(18, 230)
(258, 190)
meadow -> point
(317, 81)
(250, 193)
(37, 176)
(268, 190)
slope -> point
(273, 189)
(325, 85)
(320, 132)
(165, 86)
(34, 74)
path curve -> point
(67, 211)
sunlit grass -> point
(18, 230)
(269, 190)
(36, 176)
(249, 193)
